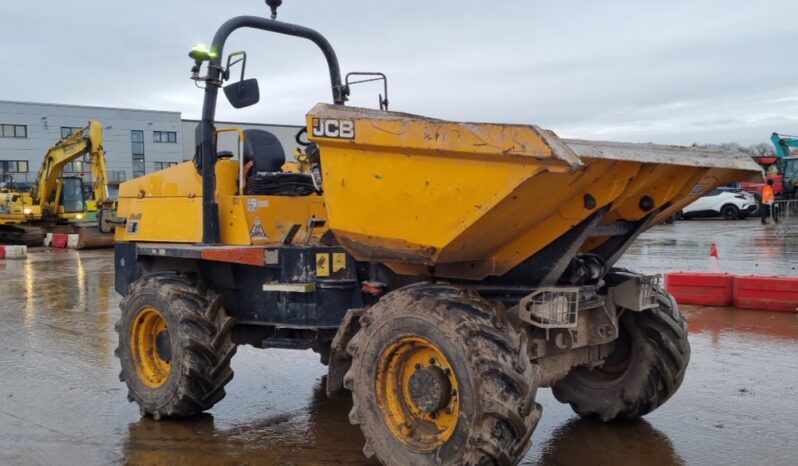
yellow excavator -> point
(444, 271)
(57, 203)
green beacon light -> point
(200, 53)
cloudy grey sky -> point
(704, 71)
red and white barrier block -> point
(13, 252)
(62, 240)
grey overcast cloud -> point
(672, 72)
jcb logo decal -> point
(333, 128)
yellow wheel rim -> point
(417, 393)
(151, 368)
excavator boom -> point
(88, 140)
(782, 143)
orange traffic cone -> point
(714, 264)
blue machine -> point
(783, 143)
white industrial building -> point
(135, 141)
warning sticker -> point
(322, 265)
(252, 205)
(339, 261)
(257, 231)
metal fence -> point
(787, 209)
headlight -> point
(79, 216)
(26, 211)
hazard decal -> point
(257, 231)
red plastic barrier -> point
(766, 293)
(703, 288)
(13, 252)
(60, 240)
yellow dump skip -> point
(469, 200)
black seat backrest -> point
(264, 149)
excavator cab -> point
(72, 195)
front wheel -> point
(439, 376)
(730, 212)
(174, 346)
(643, 371)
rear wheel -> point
(439, 376)
(174, 346)
(644, 370)
(730, 212)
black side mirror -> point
(243, 93)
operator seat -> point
(264, 150)
(264, 158)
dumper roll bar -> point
(207, 141)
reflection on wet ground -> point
(61, 402)
(582, 441)
(744, 246)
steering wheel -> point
(298, 137)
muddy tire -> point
(440, 376)
(644, 371)
(174, 346)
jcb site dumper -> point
(444, 271)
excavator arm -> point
(88, 140)
(783, 143)
(99, 172)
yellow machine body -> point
(166, 206)
(21, 207)
(432, 197)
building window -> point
(67, 131)
(13, 131)
(78, 166)
(164, 136)
(115, 177)
(137, 146)
(162, 165)
(13, 166)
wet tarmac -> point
(62, 404)
(744, 246)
